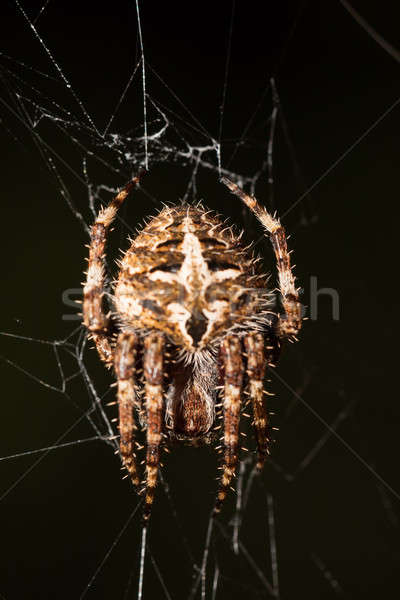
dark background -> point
(334, 81)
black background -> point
(334, 83)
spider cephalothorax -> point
(192, 304)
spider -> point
(194, 320)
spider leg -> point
(94, 316)
(290, 325)
(233, 369)
(153, 374)
(258, 356)
(124, 362)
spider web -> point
(73, 526)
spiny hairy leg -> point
(233, 368)
(290, 324)
(153, 360)
(124, 362)
(94, 316)
(256, 363)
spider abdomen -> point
(188, 275)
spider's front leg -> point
(94, 316)
(233, 369)
(259, 355)
(153, 374)
(124, 362)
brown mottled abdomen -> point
(188, 275)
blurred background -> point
(224, 82)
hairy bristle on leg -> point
(125, 356)
(153, 373)
(233, 369)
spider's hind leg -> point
(290, 324)
(94, 317)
